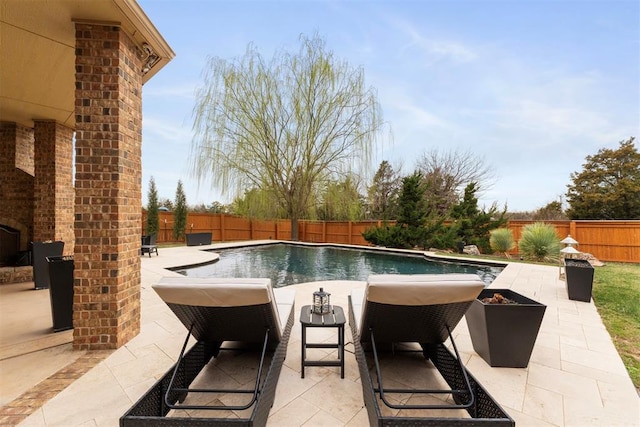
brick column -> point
(53, 186)
(108, 187)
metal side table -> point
(334, 319)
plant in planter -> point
(504, 325)
(579, 274)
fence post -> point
(350, 232)
(222, 227)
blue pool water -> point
(288, 264)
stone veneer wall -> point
(108, 187)
(16, 175)
(53, 187)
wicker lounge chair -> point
(241, 319)
(413, 315)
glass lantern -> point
(321, 304)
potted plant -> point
(579, 275)
(504, 325)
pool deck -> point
(575, 376)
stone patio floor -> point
(575, 376)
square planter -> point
(504, 334)
(61, 291)
(40, 252)
(198, 239)
(579, 274)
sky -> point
(531, 87)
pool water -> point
(288, 264)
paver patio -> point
(575, 376)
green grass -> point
(616, 294)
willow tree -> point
(283, 126)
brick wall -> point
(16, 175)
(53, 186)
(24, 140)
(108, 187)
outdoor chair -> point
(241, 328)
(149, 245)
(400, 324)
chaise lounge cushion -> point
(227, 292)
(415, 290)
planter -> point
(61, 292)
(198, 239)
(579, 273)
(504, 334)
(40, 251)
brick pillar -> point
(53, 186)
(108, 187)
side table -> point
(334, 319)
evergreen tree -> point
(473, 225)
(383, 193)
(410, 230)
(179, 213)
(608, 186)
(153, 218)
(412, 213)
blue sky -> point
(530, 86)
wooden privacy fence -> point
(606, 240)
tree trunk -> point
(294, 228)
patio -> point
(575, 376)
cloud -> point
(432, 49)
(155, 128)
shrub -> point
(395, 236)
(501, 240)
(539, 242)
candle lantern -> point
(321, 304)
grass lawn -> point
(616, 294)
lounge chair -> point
(149, 245)
(241, 319)
(413, 315)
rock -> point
(471, 250)
(592, 260)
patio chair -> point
(241, 328)
(149, 245)
(413, 316)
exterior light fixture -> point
(568, 252)
(321, 302)
(569, 241)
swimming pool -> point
(288, 264)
